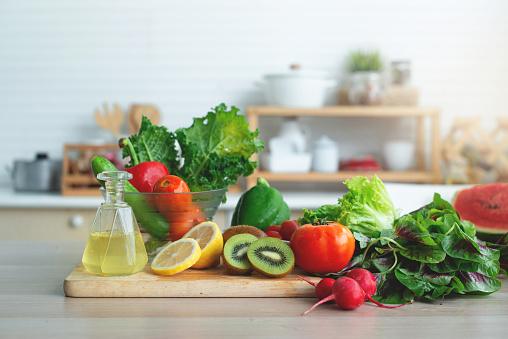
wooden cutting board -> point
(212, 282)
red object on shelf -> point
(367, 163)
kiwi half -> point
(234, 255)
(271, 257)
(240, 229)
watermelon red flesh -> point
(486, 206)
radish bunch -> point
(348, 292)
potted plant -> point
(365, 67)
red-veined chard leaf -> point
(424, 253)
(410, 229)
(460, 245)
(477, 283)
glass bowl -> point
(180, 211)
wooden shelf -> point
(420, 175)
(408, 176)
(81, 184)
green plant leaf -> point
(424, 253)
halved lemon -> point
(209, 237)
(176, 257)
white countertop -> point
(406, 197)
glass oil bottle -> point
(115, 246)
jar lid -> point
(324, 142)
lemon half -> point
(176, 257)
(209, 237)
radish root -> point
(322, 301)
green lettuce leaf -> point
(367, 207)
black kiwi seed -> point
(271, 257)
(234, 255)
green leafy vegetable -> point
(430, 254)
(366, 207)
(215, 149)
(152, 143)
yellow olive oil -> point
(114, 253)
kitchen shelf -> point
(422, 174)
(81, 184)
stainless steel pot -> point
(41, 174)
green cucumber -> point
(152, 223)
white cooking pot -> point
(297, 88)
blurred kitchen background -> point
(60, 61)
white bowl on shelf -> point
(287, 163)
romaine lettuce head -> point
(367, 207)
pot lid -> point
(295, 71)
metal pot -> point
(41, 174)
(297, 88)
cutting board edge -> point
(80, 284)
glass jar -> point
(366, 89)
(401, 73)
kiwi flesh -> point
(271, 257)
(234, 255)
(240, 229)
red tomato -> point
(322, 249)
(177, 208)
(275, 228)
(274, 234)
(287, 228)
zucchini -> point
(151, 222)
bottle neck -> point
(114, 192)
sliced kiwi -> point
(271, 257)
(234, 255)
(240, 229)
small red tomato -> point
(287, 228)
(275, 228)
(274, 234)
(324, 248)
(175, 202)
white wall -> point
(60, 60)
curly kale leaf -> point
(216, 149)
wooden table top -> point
(33, 304)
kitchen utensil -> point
(297, 88)
(399, 155)
(210, 283)
(38, 175)
(115, 246)
(136, 113)
(325, 155)
(297, 133)
(111, 121)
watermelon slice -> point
(486, 206)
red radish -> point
(346, 292)
(323, 287)
(367, 282)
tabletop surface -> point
(33, 304)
